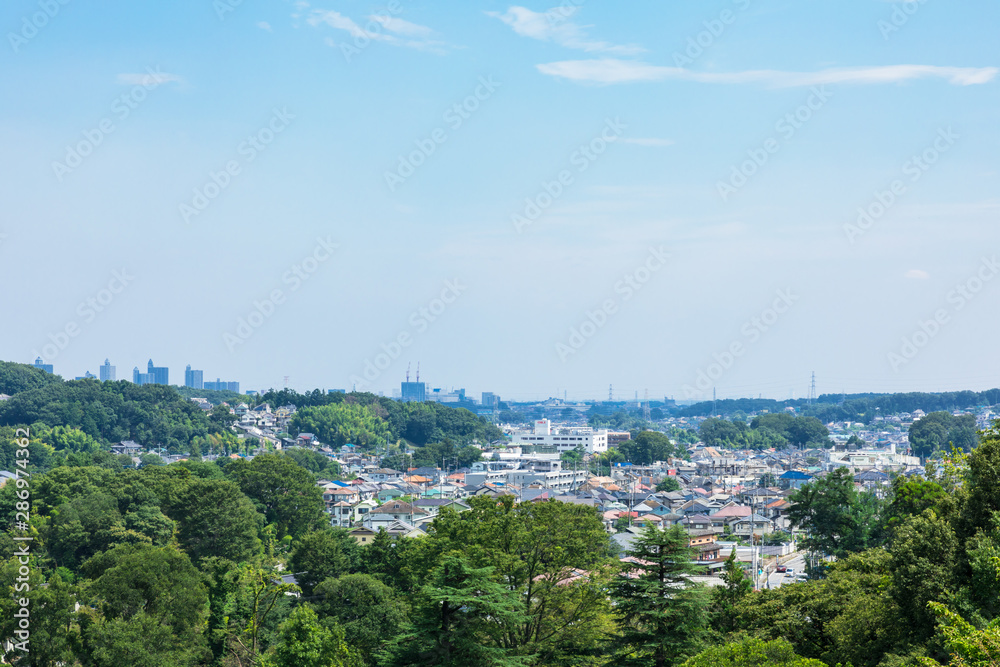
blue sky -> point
(577, 195)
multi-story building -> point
(194, 379)
(567, 439)
(107, 372)
(220, 385)
(413, 391)
(491, 400)
(42, 365)
(153, 374)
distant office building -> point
(153, 374)
(336, 391)
(439, 395)
(490, 400)
(194, 379)
(591, 441)
(86, 376)
(413, 391)
(219, 385)
(40, 364)
(107, 372)
(161, 374)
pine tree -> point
(663, 615)
(458, 610)
(725, 598)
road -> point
(777, 579)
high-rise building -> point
(141, 378)
(44, 366)
(86, 376)
(194, 379)
(219, 385)
(153, 374)
(413, 391)
(107, 371)
(161, 374)
(490, 400)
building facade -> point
(592, 442)
(194, 379)
(107, 372)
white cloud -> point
(648, 141)
(150, 78)
(264, 25)
(612, 70)
(401, 27)
(375, 30)
(554, 26)
(916, 274)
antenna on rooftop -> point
(407, 372)
(418, 371)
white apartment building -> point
(566, 439)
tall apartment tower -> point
(194, 379)
(107, 372)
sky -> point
(535, 200)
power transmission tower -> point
(645, 407)
(610, 395)
(812, 389)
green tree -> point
(668, 483)
(554, 558)
(647, 447)
(370, 612)
(808, 431)
(216, 519)
(923, 554)
(322, 554)
(663, 615)
(457, 617)
(222, 416)
(736, 586)
(303, 642)
(833, 513)
(751, 652)
(284, 492)
(158, 583)
(933, 433)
